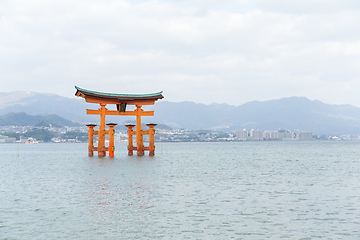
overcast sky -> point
(223, 51)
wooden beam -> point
(91, 99)
(113, 112)
(144, 132)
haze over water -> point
(236, 190)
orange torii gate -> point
(121, 101)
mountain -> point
(34, 103)
(300, 113)
(293, 113)
(23, 119)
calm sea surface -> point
(251, 190)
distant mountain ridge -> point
(23, 119)
(34, 103)
(292, 113)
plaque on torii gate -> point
(121, 101)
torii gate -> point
(121, 101)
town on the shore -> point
(60, 134)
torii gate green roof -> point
(126, 97)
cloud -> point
(303, 7)
(203, 51)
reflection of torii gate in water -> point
(121, 101)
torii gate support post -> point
(139, 132)
(151, 138)
(101, 141)
(91, 139)
(111, 138)
(130, 133)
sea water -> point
(234, 190)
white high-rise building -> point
(267, 135)
(285, 135)
(274, 135)
(304, 136)
(271, 135)
(256, 134)
(242, 135)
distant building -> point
(286, 135)
(120, 137)
(256, 135)
(267, 135)
(6, 139)
(23, 139)
(303, 136)
(242, 135)
(271, 135)
(274, 135)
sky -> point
(205, 51)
